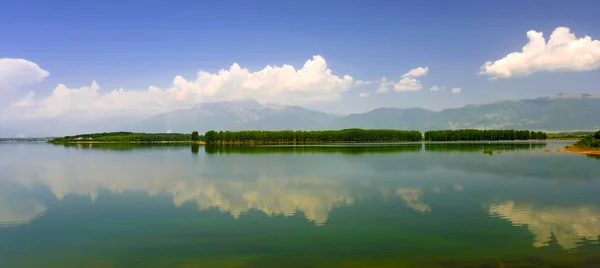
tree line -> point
(127, 137)
(317, 136)
(483, 135)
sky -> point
(105, 59)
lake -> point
(380, 205)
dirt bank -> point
(573, 149)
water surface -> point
(378, 205)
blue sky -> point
(137, 44)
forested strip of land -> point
(483, 135)
(317, 136)
(128, 137)
(570, 135)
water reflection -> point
(313, 197)
(488, 148)
(485, 147)
(568, 224)
(594, 156)
(126, 146)
(427, 185)
(271, 191)
(413, 199)
(15, 210)
(195, 148)
(321, 148)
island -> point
(589, 145)
(366, 135)
(130, 137)
(352, 135)
(313, 136)
(483, 135)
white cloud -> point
(359, 83)
(15, 73)
(408, 81)
(562, 53)
(416, 72)
(437, 88)
(28, 100)
(384, 85)
(408, 84)
(456, 90)
(313, 82)
(364, 94)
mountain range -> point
(562, 112)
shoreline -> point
(130, 142)
(298, 143)
(573, 149)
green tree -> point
(195, 136)
(597, 135)
(211, 136)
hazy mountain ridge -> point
(561, 112)
(236, 116)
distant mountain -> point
(561, 112)
(236, 116)
(394, 118)
(556, 113)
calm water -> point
(409, 205)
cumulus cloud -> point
(364, 94)
(455, 90)
(408, 84)
(15, 73)
(408, 81)
(416, 72)
(562, 53)
(384, 85)
(314, 82)
(437, 88)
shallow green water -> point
(394, 205)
